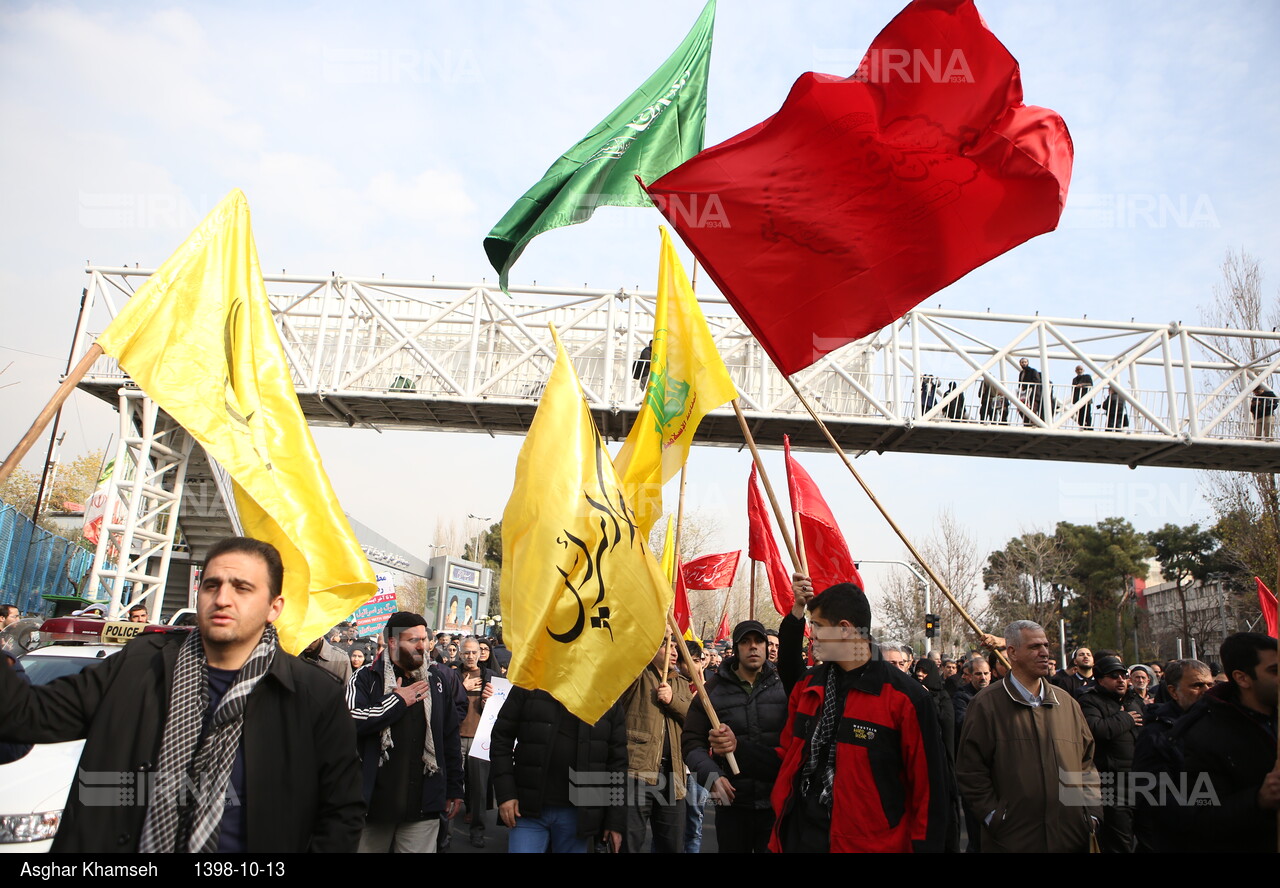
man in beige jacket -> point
(655, 706)
(1025, 765)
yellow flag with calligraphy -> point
(687, 380)
(199, 339)
(584, 602)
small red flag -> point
(1267, 600)
(711, 571)
(723, 631)
(763, 547)
(1139, 590)
(682, 601)
(865, 195)
(825, 551)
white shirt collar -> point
(1029, 698)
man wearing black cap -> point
(407, 722)
(862, 762)
(1114, 716)
(748, 697)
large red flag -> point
(825, 551)
(712, 571)
(1267, 600)
(681, 605)
(763, 547)
(863, 196)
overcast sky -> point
(389, 138)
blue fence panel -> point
(35, 563)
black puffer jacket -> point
(1114, 731)
(757, 721)
(520, 753)
(1234, 748)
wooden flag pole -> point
(702, 694)
(915, 553)
(804, 562)
(42, 420)
(751, 607)
(768, 488)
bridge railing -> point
(374, 338)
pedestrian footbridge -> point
(464, 357)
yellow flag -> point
(199, 339)
(669, 552)
(687, 380)
(584, 602)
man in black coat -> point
(747, 695)
(1114, 716)
(407, 715)
(555, 776)
(1228, 746)
(1154, 756)
(222, 711)
(1079, 676)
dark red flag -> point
(863, 196)
(712, 571)
(825, 551)
(1267, 600)
(764, 547)
(723, 631)
(681, 606)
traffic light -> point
(930, 625)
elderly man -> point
(976, 675)
(222, 706)
(1185, 682)
(329, 658)
(1025, 765)
(896, 654)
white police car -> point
(34, 789)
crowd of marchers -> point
(807, 737)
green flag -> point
(658, 127)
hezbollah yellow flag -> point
(584, 602)
(198, 338)
(687, 380)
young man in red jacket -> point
(863, 765)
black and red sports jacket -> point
(893, 787)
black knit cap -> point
(404, 620)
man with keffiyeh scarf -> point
(209, 741)
(862, 761)
(407, 715)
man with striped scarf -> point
(407, 713)
(211, 741)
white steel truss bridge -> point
(464, 357)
